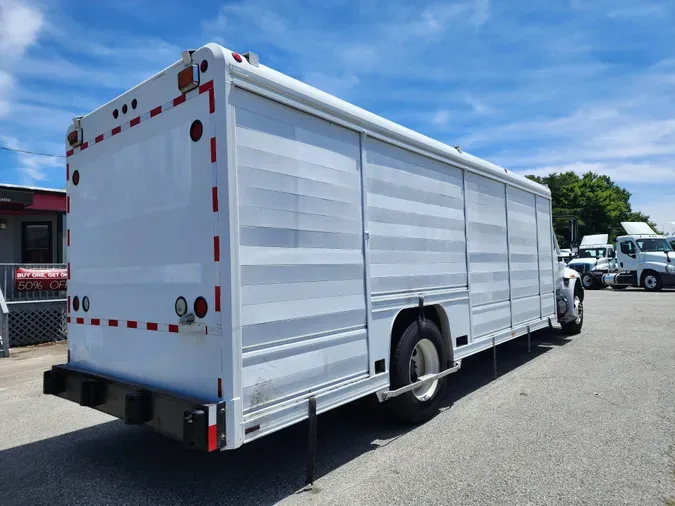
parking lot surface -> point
(582, 420)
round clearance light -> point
(196, 130)
(204, 65)
(76, 303)
(134, 103)
(124, 109)
(237, 57)
(116, 113)
(76, 177)
(181, 306)
(201, 307)
(85, 303)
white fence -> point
(29, 317)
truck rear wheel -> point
(651, 281)
(419, 351)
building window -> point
(36, 243)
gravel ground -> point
(587, 420)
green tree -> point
(598, 204)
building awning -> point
(20, 199)
(15, 199)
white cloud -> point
(441, 118)
(439, 16)
(481, 12)
(642, 10)
(660, 208)
(626, 172)
(20, 24)
(32, 168)
(478, 106)
(6, 85)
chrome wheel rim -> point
(423, 361)
(650, 281)
(578, 309)
(587, 281)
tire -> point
(422, 404)
(573, 327)
(651, 281)
(588, 281)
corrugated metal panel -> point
(488, 263)
(547, 289)
(302, 271)
(415, 220)
(490, 318)
(523, 255)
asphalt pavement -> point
(584, 420)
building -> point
(32, 225)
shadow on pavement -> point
(115, 464)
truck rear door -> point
(142, 233)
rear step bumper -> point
(199, 425)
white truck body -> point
(308, 225)
(644, 258)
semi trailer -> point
(246, 251)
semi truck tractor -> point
(595, 257)
(644, 259)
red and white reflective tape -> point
(204, 88)
(127, 324)
(215, 205)
(213, 429)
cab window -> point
(627, 248)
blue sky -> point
(536, 86)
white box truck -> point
(246, 251)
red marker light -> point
(196, 130)
(201, 307)
(237, 57)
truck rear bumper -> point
(200, 425)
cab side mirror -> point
(612, 254)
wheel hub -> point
(423, 361)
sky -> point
(536, 86)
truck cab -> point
(595, 257)
(645, 259)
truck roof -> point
(640, 236)
(296, 90)
(588, 241)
